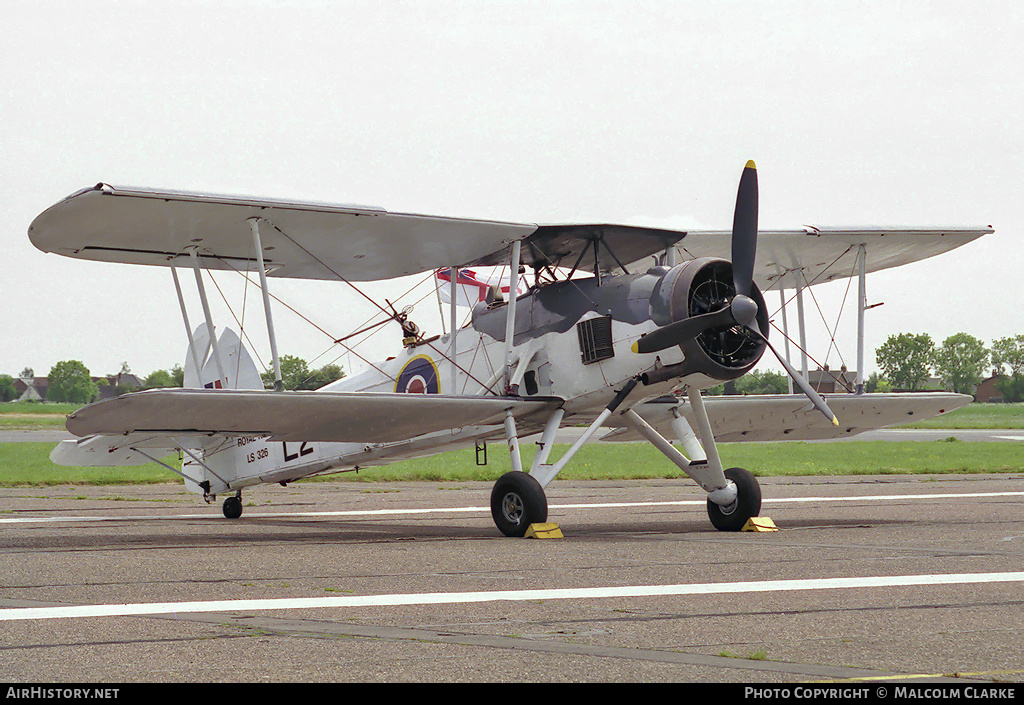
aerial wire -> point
(311, 322)
(371, 300)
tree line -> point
(909, 360)
(70, 380)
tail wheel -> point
(517, 501)
(233, 507)
(733, 516)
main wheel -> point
(517, 501)
(733, 516)
(233, 507)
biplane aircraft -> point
(619, 326)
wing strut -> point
(209, 319)
(511, 435)
(801, 282)
(862, 251)
(188, 328)
(453, 316)
(785, 332)
(510, 310)
(254, 223)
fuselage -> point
(582, 368)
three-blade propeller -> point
(741, 310)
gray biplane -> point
(621, 327)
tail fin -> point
(240, 371)
(225, 462)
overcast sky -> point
(631, 112)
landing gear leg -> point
(739, 497)
(233, 506)
(732, 516)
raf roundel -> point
(419, 376)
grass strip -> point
(1001, 416)
(29, 463)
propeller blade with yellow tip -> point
(805, 386)
(744, 230)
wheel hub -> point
(512, 507)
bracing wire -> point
(368, 298)
(831, 331)
(308, 320)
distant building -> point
(31, 388)
(827, 381)
(115, 385)
(35, 388)
(986, 390)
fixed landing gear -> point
(517, 501)
(233, 506)
(747, 504)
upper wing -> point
(785, 417)
(302, 240)
(827, 253)
(581, 246)
(315, 240)
(295, 416)
(359, 243)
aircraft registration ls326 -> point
(630, 347)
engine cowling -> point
(705, 286)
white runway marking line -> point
(483, 510)
(436, 598)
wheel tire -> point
(747, 504)
(517, 501)
(233, 507)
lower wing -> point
(295, 416)
(790, 417)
